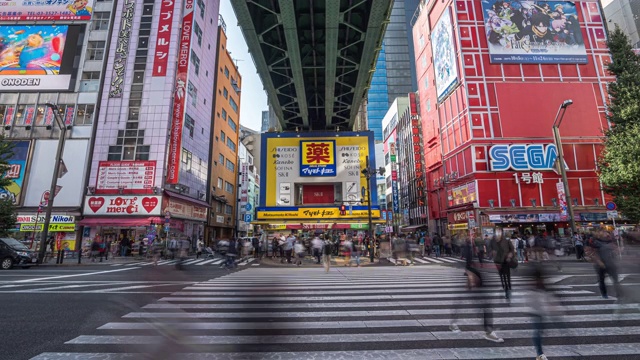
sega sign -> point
(520, 157)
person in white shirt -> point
(316, 245)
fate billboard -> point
(37, 57)
(306, 170)
(444, 56)
(533, 32)
(21, 10)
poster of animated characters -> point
(533, 32)
(444, 56)
(31, 50)
(17, 168)
(46, 10)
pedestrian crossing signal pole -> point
(367, 173)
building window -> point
(225, 93)
(219, 207)
(421, 40)
(91, 75)
(193, 93)
(195, 61)
(426, 82)
(428, 104)
(100, 20)
(186, 159)
(189, 124)
(219, 183)
(201, 6)
(226, 72)
(224, 114)
(228, 209)
(221, 159)
(232, 124)
(223, 136)
(84, 114)
(230, 165)
(95, 50)
(198, 32)
(424, 61)
(233, 104)
(231, 144)
(228, 187)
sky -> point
(253, 99)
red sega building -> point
(492, 76)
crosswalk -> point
(427, 260)
(357, 313)
(196, 262)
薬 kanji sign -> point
(318, 158)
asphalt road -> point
(380, 312)
(44, 307)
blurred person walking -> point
(288, 246)
(521, 247)
(603, 255)
(355, 251)
(317, 245)
(347, 247)
(474, 283)
(327, 250)
(437, 244)
(300, 250)
(502, 251)
(579, 245)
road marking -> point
(206, 262)
(422, 261)
(75, 275)
(434, 260)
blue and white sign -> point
(247, 217)
(396, 200)
(248, 207)
(522, 157)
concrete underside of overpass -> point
(315, 57)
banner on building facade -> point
(125, 177)
(122, 205)
(533, 32)
(163, 38)
(122, 49)
(17, 168)
(37, 10)
(179, 96)
(444, 55)
(562, 200)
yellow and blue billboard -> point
(318, 158)
(297, 167)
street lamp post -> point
(368, 172)
(560, 160)
(54, 180)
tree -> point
(7, 210)
(619, 169)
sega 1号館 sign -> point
(523, 157)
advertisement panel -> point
(181, 209)
(562, 201)
(317, 158)
(20, 10)
(36, 57)
(444, 56)
(464, 194)
(122, 49)
(281, 165)
(17, 169)
(122, 205)
(179, 97)
(163, 36)
(533, 32)
(125, 176)
(71, 175)
(316, 213)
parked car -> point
(14, 253)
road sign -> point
(247, 217)
(249, 207)
(611, 215)
(611, 206)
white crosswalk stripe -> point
(200, 262)
(359, 313)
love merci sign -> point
(122, 205)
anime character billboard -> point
(16, 172)
(444, 56)
(533, 32)
(34, 10)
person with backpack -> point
(502, 250)
(437, 244)
(579, 244)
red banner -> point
(161, 57)
(48, 117)
(8, 115)
(30, 114)
(179, 96)
(68, 115)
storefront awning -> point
(117, 222)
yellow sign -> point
(316, 213)
(52, 227)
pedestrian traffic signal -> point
(343, 210)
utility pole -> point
(560, 160)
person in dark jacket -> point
(502, 250)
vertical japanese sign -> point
(68, 115)
(122, 49)
(179, 95)
(562, 200)
(48, 117)
(161, 57)
(30, 115)
(9, 115)
(17, 167)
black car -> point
(15, 253)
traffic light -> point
(343, 210)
